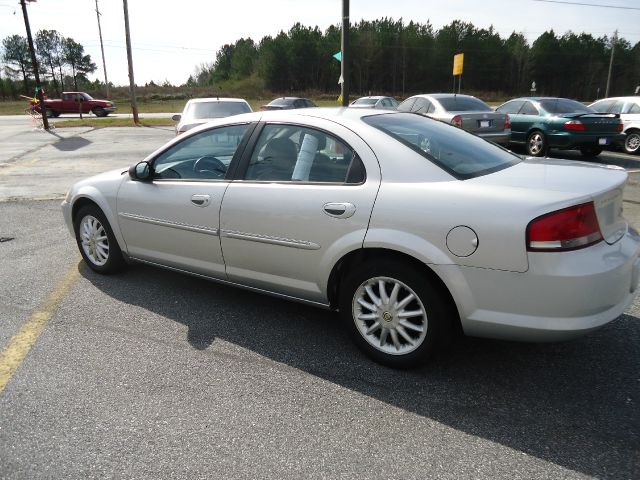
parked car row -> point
(537, 123)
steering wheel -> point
(211, 164)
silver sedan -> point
(411, 228)
(463, 111)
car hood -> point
(102, 180)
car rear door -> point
(173, 220)
(303, 198)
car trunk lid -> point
(596, 123)
(579, 181)
(482, 122)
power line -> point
(588, 4)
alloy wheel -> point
(389, 315)
(94, 240)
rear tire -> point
(590, 151)
(537, 145)
(96, 241)
(394, 314)
(632, 142)
(50, 113)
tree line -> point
(61, 61)
(398, 58)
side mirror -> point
(176, 117)
(141, 171)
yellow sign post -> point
(458, 61)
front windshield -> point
(86, 96)
(460, 153)
(200, 110)
(564, 105)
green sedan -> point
(541, 123)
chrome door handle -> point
(200, 200)
(339, 210)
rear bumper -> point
(502, 138)
(561, 296)
(569, 141)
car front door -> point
(518, 122)
(303, 199)
(173, 220)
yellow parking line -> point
(12, 356)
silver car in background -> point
(463, 111)
(375, 101)
(629, 110)
(202, 110)
(411, 228)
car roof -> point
(341, 115)
(632, 98)
(373, 97)
(216, 99)
(442, 95)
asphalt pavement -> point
(152, 374)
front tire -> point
(537, 145)
(394, 314)
(632, 142)
(96, 241)
(99, 112)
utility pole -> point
(613, 48)
(45, 120)
(132, 85)
(104, 63)
(346, 54)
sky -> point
(170, 38)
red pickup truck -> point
(74, 102)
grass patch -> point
(114, 122)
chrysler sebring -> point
(411, 228)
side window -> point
(635, 108)
(406, 105)
(510, 107)
(432, 108)
(602, 107)
(616, 107)
(66, 98)
(204, 156)
(291, 153)
(528, 109)
(299, 104)
(421, 106)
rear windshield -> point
(365, 101)
(460, 153)
(216, 109)
(282, 101)
(564, 105)
(463, 104)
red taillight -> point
(574, 125)
(620, 127)
(567, 229)
(507, 121)
(457, 121)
